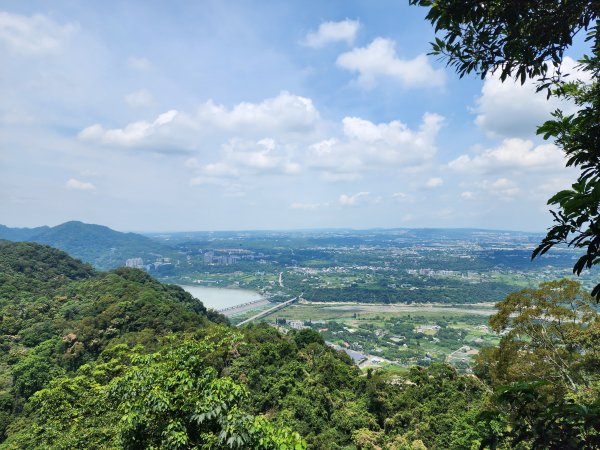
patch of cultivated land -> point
(403, 334)
(344, 309)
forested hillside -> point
(117, 360)
(98, 245)
(20, 234)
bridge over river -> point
(269, 311)
(235, 309)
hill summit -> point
(98, 245)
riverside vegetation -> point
(117, 360)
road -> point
(244, 307)
(269, 311)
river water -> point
(219, 298)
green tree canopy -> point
(545, 369)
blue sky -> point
(259, 115)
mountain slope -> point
(98, 245)
(57, 313)
(20, 234)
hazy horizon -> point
(312, 229)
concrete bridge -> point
(243, 305)
(269, 311)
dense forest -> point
(117, 360)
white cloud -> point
(306, 206)
(285, 112)
(283, 135)
(240, 158)
(139, 63)
(133, 134)
(139, 99)
(351, 200)
(510, 109)
(502, 188)
(467, 195)
(546, 188)
(35, 34)
(220, 169)
(79, 185)
(262, 156)
(329, 32)
(434, 182)
(367, 145)
(512, 154)
(379, 59)
(400, 196)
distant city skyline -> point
(194, 116)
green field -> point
(396, 335)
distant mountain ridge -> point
(98, 245)
(20, 234)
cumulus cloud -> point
(35, 34)
(467, 195)
(366, 145)
(512, 154)
(241, 158)
(285, 113)
(329, 32)
(139, 99)
(262, 156)
(510, 109)
(282, 135)
(351, 200)
(434, 182)
(133, 134)
(379, 59)
(503, 188)
(79, 185)
(399, 195)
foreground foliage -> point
(119, 361)
(545, 370)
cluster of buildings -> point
(138, 263)
(219, 260)
(469, 275)
(226, 257)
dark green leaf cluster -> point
(577, 219)
(518, 38)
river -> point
(219, 298)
